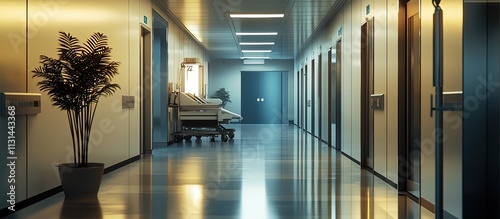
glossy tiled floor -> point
(267, 171)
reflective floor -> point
(267, 171)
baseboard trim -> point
(122, 164)
(386, 180)
(351, 158)
(44, 195)
(427, 205)
(30, 201)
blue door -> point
(261, 97)
(249, 94)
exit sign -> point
(145, 19)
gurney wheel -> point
(224, 138)
(198, 137)
(212, 139)
(230, 135)
(188, 137)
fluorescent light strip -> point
(256, 43)
(257, 34)
(253, 61)
(256, 50)
(255, 57)
(256, 15)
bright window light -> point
(256, 50)
(257, 34)
(192, 79)
(256, 15)
(256, 43)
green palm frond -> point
(76, 80)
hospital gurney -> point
(201, 117)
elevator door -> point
(261, 97)
(413, 98)
(367, 40)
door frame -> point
(313, 97)
(283, 100)
(411, 10)
(303, 102)
(367, 84)
(320, 97)
(338, 93)
(146, 109)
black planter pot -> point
(81, 182)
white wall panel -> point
(392, 90)
(379, 12)
(428, 123)
(357, 20)
(347, 94)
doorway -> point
(299, 111)
(320, 98)
(367, 51)
(303, 100)
(146, 135)
(334, 95)
(261, 97)
(313, 98)
(413, 98)
(307, 100)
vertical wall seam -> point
(350, 75)
(129, 75)
(387, 89)
(26, 88)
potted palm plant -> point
(74, 82)
(223, 95)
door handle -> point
(258, 99)
(262, 99)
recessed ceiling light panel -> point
(255, 57)
(256, 43)
(256, 50)
(256, 15)
(256, 34)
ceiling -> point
(209, 22)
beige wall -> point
(13, 79)
(43, 140)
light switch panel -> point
(377, 101)
(128, 101)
